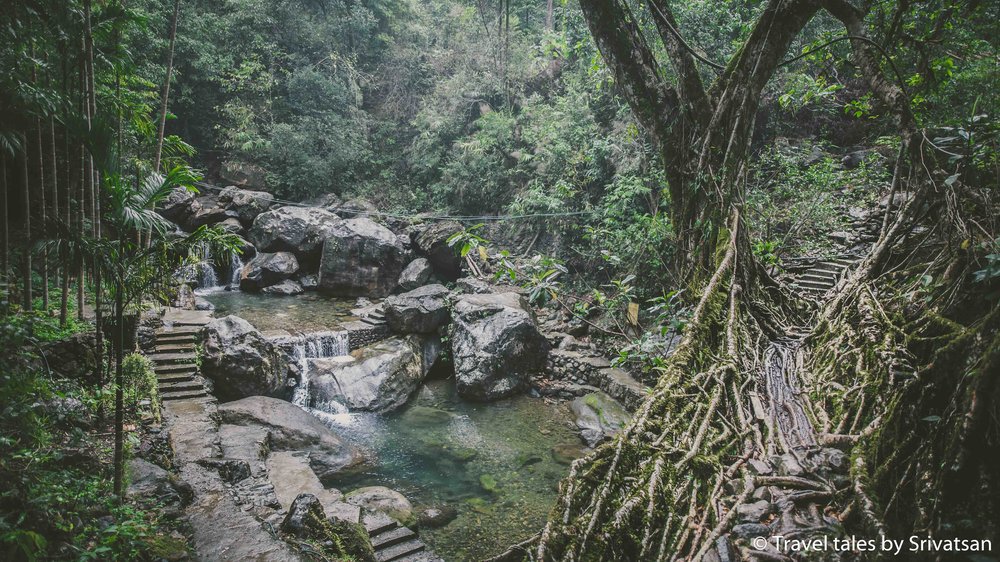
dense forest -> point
(499, 279)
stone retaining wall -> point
(361, 334)
(571, 373)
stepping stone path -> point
(175, 354)
(393, 542)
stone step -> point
(175, 377)
(373, 321)
(829, 266)
(813, 286)
(376, 523)
(392, 537)
(176, 338)
(173, 347)
(162, 358)
(399, 551)
(179, 331)
(169, 368)
(819, 279)
(182, 386)
(183, 395)
(422, 556)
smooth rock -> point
(378, 378)
(285, 288)
(150, 482)
(244, 203)
(420, 311)
(495, 344)
(266, 269)
(753, 512)
(176, 206)
(293, 429)
(240, 360)
(435, 516)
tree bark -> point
(5, 233)
(549, 20)
(27, 295)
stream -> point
(497, 465)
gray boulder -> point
(243, 174)
(206, 210)
(232, 225)
(305, 517)
(286, 288)
(300, 230)
(240, 361)
(495, 345)
(432, 242)
(244, 203)
(356, 207)
(361, 258)
(291, 428)
(474, 285)
(176, 205)
(416, 274)
(377, 378)
(267, 269)
(420, 311)
(598, 416)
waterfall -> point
(235, 266)
(314, 345)
(205, 269)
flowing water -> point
(496, 465)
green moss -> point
(489, 483)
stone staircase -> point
(394, 542)
(823, 276)
(174, 355)
(375, 316)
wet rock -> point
(435, 516)
(432, 242)
(291, 428)
(244, 203)
(377, 378)
(380, 498)
(305, 517)
(300, 230)
(185, 297)
(202, 304)
(150, 482)
(416, 274)
(240, 361)
(598, 416)
(361, 258)
(285, 288)
(566, 453)
(425, 416)
(266, 269)
(309, 282)
(753, 512)
(420, 311)
(496, 345)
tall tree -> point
(165, 96)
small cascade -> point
(314, 345)
(235, 266)
(204, 268)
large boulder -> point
(267, 269)
(291, 428)
(175, 206)
(417, 273)
(386, 500)
(432, 242)
(598, 416)
(300, 230)
(151, 483)
(240, 360)
(495, 345)
(244, 203)
(361, 258)
(243, 174)
(286, 288)
(420, 311)
(206, 210)
(377, 378)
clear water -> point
(441, 450)
(309, 312)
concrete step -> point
(175, 377)
(173, 347)
(376, 523)
(392, 537)
(183, 395)
(399, 551)
(174, 368)
(162, 358)
(183, 386)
